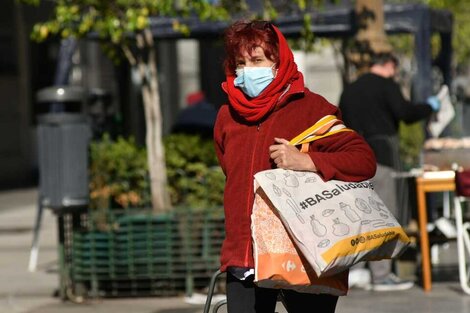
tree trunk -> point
(371, 25)
(370, 38)
(153, 122)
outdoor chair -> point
(210, 293)
(462, 199)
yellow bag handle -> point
(324, 127)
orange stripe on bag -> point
(364, 242)
(326, 126)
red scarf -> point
(254, 109)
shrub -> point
(411, 143)
(194, 177)
(119, 175)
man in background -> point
(374, 105)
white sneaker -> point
(359, 278)
(446, 227)
(392, 283)
(199, 298)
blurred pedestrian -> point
(269, 105)
(197, 118)
(373, 105)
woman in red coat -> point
(268, 106)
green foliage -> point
(411, 142)
(119, 176)
(112, 20)
(461, 27)
(403, 44)
(194, 177)
(461, 12)
(307, 40)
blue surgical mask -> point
(253, 80)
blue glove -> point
(434, 102)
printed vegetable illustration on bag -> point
(331, 223)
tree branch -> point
(130, 57)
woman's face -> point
(256, 59)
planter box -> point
(143, 254)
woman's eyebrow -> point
(256, 55)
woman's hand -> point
(287, 156)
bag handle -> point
(324, 127)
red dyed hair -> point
(246, 36)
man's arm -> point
(403, 109)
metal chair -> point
(210, 293)
(462, 195)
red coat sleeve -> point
(343, 156)
(219, 135)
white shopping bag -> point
(333, 224)
(444, 116)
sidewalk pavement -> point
(25, 292)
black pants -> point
(243, 296)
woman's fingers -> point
(280, 152)
(286, 156)
(279, 149)
(281, 141)
(281, 144)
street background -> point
(25, 292)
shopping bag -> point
(333, 224)
(277, 262)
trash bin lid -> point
(60, 94)
(62, 118)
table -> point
(429, 182)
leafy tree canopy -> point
(461, 13)
(114, 19)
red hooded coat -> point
(244, 130)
